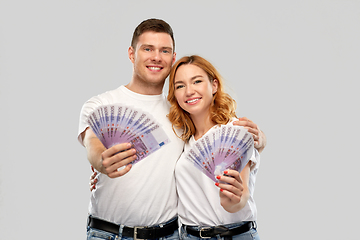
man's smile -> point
(154, 68)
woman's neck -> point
(202, 125)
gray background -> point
(292, 66)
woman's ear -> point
(214, 86)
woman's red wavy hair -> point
(223, 107)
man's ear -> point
(215, 84)
(174, 58)
(131, 53)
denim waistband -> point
(229, 226)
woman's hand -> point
(93, 179)
(234, 192)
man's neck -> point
(145, 89)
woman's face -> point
(193, 90)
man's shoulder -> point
(111, 92)
(107, 97)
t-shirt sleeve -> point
(88, 107)
(254, 161)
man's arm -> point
(258, 135)
(108, 161)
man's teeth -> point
(191, 101)
(154, 68)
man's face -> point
(152, 58)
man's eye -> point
(165, 51)
(147, 49)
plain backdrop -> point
(292, 66)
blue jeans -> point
(252, 234)
(95, 234)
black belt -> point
(209, 232)
(134, 232)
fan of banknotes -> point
(222, 147)
(119, 123)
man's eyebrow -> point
(152, 46)
(147, 45)
(167, 48)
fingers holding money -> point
(115, 158)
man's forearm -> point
(94, 149)
(262, 140)
(94, 152)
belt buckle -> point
(204, 228)
(135, 232)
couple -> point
(142, 202)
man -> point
(125, 201)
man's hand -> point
(116, 157)
(258, 135)
(108, 161)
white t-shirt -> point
(199, 201)
(147, 194)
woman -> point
(207, 210)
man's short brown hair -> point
(155, 25)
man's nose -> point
(156, 56)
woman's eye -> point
(179, 86)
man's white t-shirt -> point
(146, 195)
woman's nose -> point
(189, 90)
